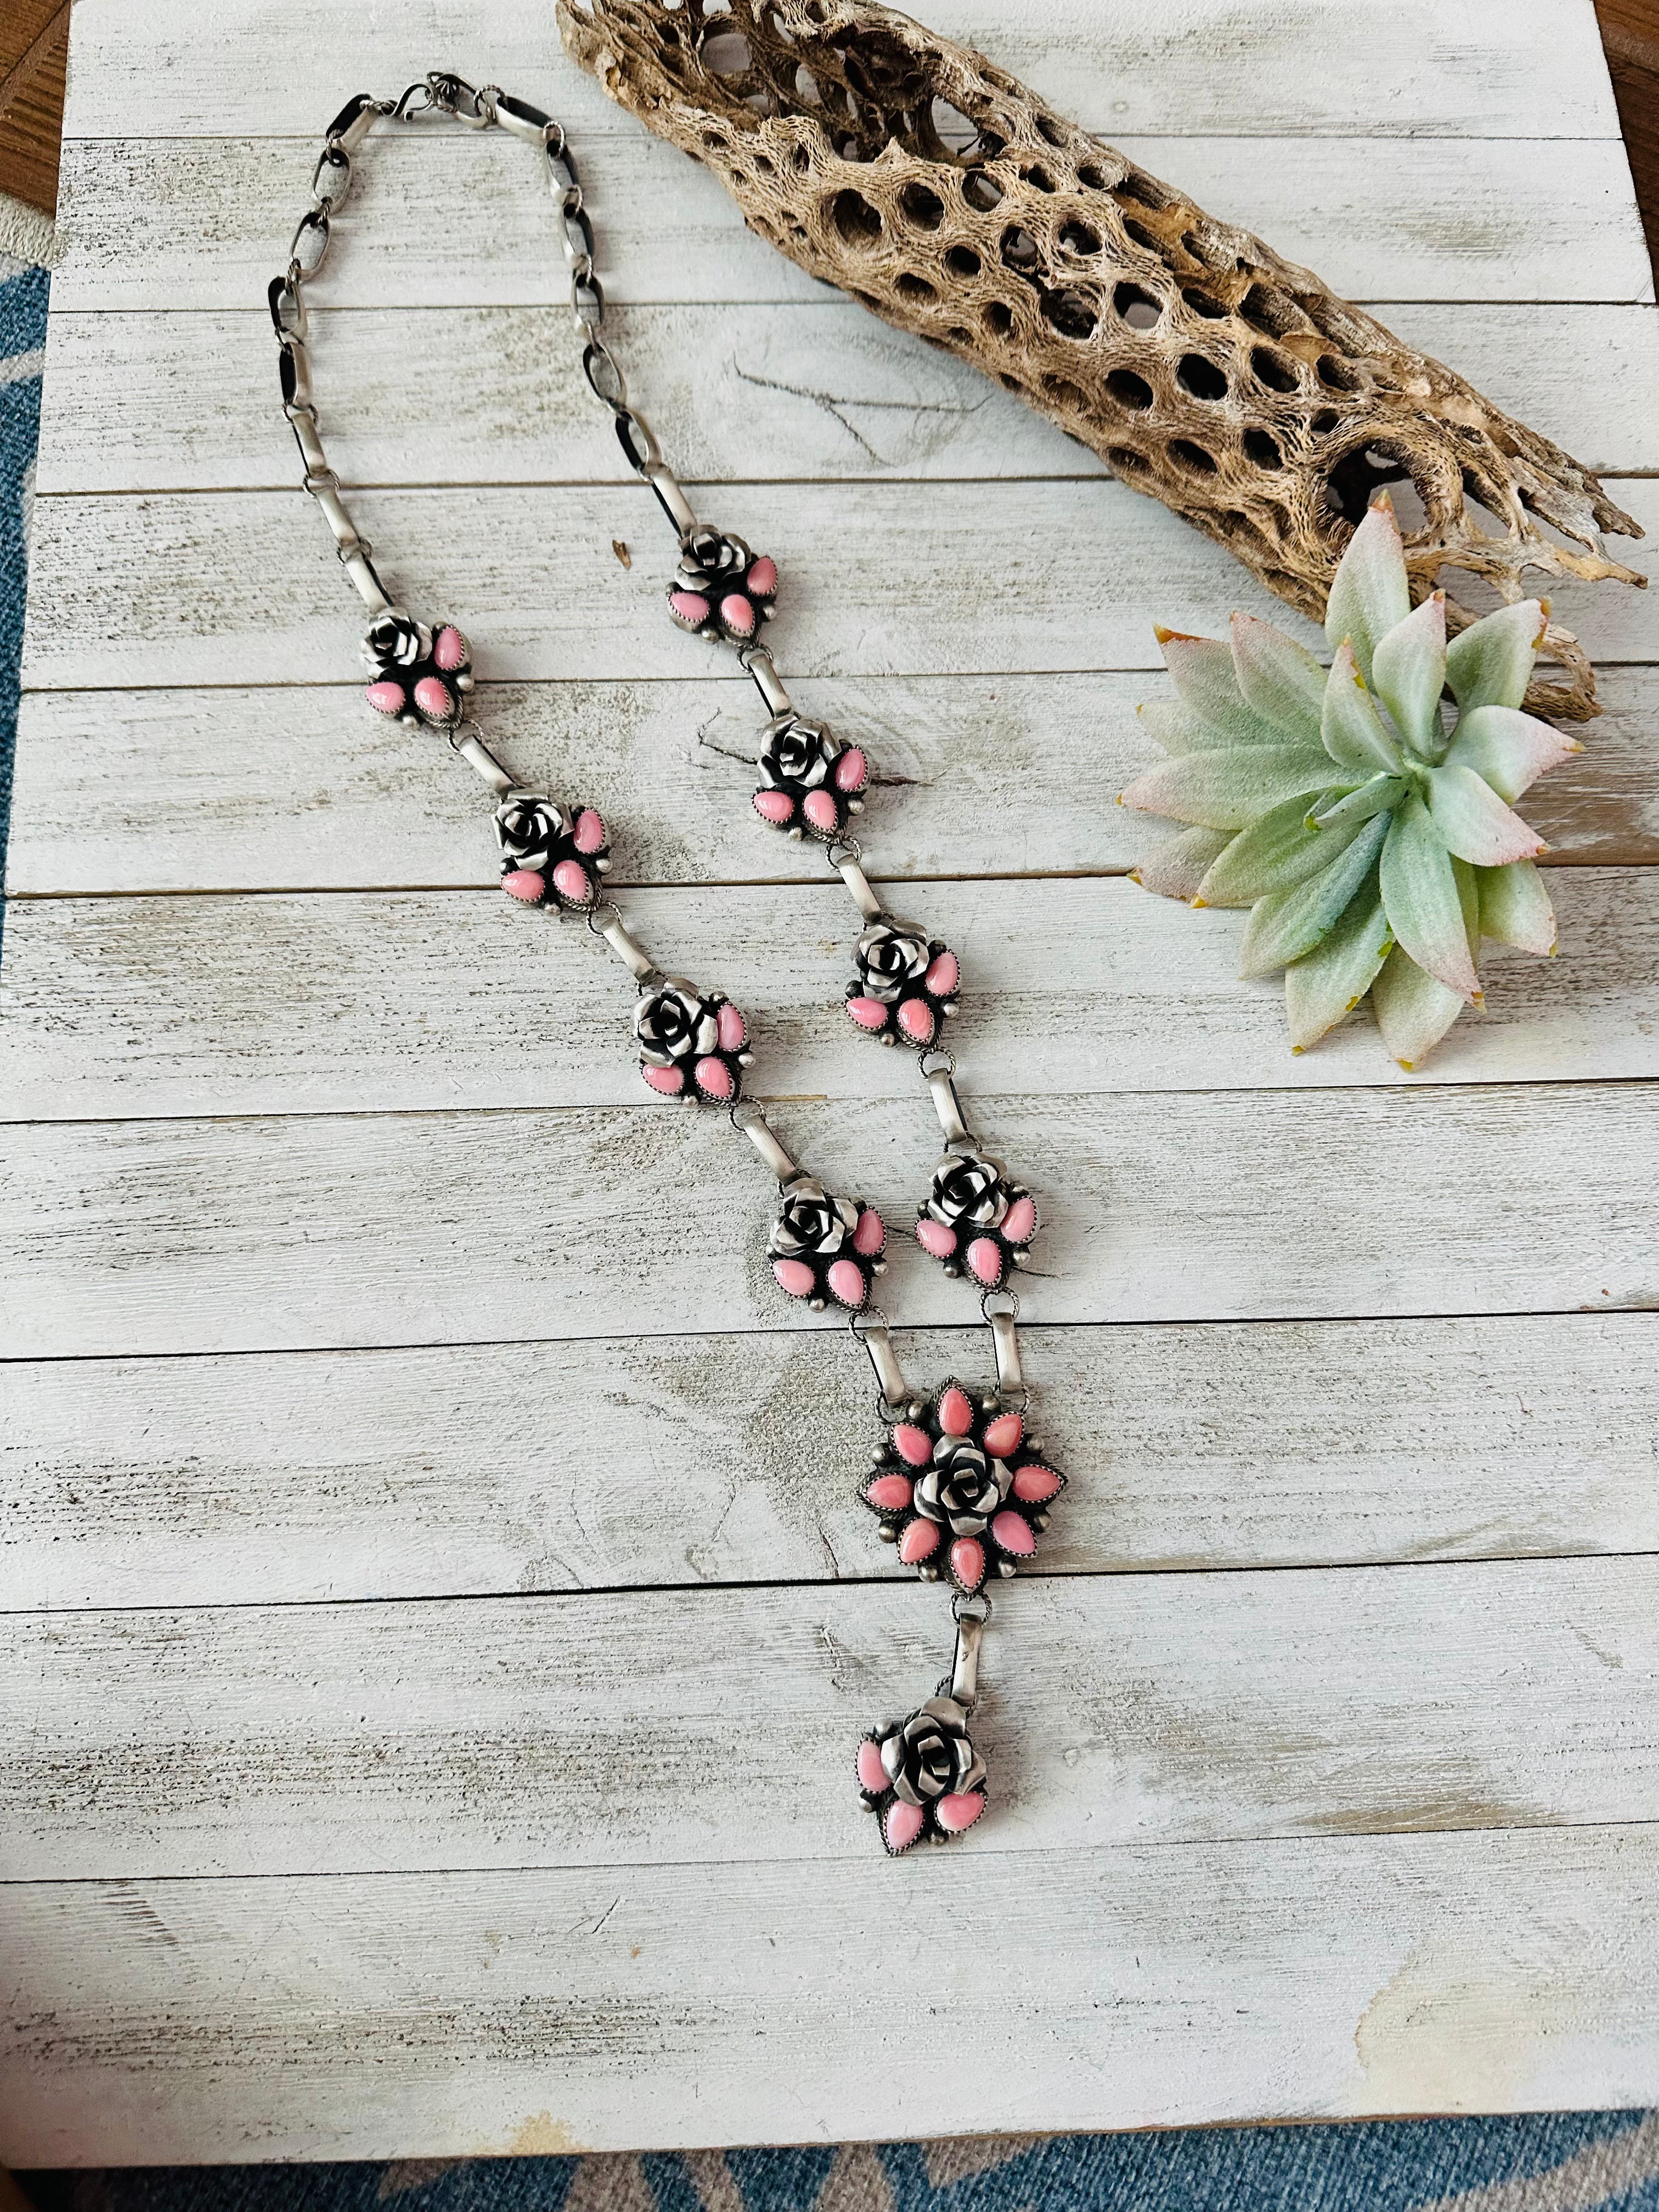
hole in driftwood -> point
(1090, 177)
(962, 261)
(1145, 191)
(1069, 314)
(1350, 483)
(1063, 389)
(1201, 303)
(1038, 178)
(1079, 238)
(1141, 235)
(998, 317)
(1019, 249)
(925, 207)
(912, 287)
(1127, 461)
(980, 191)
(1049, 129)
(1267, 310)
(1192, 458)
(952, 129)
(1200, 377)
(1132, 391)
(855, 219)
(1273, 369)
(1326, 419)
(727, 53)
(1263, 450)
(1336, 375)
(1138, 308)
(806, 86)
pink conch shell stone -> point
(449, 650)
(913, 1443)
(985, 1261)
(737, 613)
(794, 1276)
(1019, 1223)
(729, 1028)
(955, 1415)
(762, 576)
(1003, 1435)
(432, 698)
(524, 884)
(570, 880)
(690, 606)
(901, 1824)
(959, 1810)
(967, 1562)
(820, 809)
(714, 1078)
(852, 770)
(1036, 1486)
(868, 1013)
(918, 1542)
(872, 1775)
(915, 1018)
(588, 836)
(670, 1081)
(889, 1493)
(1012, 1533)
(385, 698)
(775, 806)
(934, 1236)
(944, 975)
(847, 1283)
(870, 1234)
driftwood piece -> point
(1227, 382)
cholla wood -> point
(1229, 384)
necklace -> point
(956, 1484)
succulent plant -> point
(1369, 829)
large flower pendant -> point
(961, 1489)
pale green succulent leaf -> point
(1490, 663)
(1514, 908)
(1350, 729)
(1275, 853)
(1373, 797)
(1176, 868)
(1289, 925)
(1422, 899)
(1507, 750)
(1203, 671)
(1369, 593)
(1329, 982)
(1473, 822)
(1408, 674)
(1229, 790)
(1413, 1010)
(1280, 680)
(1177, 730)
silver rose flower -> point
(709, 559)
(675, 1022)
(929, 1756)
(963, 1488)
(969, 1190)
(892, 956)
(527, 828)
(396, 640)
(811, 1219)
(797, 752)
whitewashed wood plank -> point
(446, 999)
(261, 1480)
(690, 1726)
(1494, 71)
(303, 786)
(239, 588)
(286, 1233)
(454, 2014)
(204, 222)
(811, 388)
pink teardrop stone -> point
(901, 1824)
(386, 698)
(852, 770)
(449, 650)
(913, 1443)
(1011, 1532)
(870, 1234)
(1036, 1486)
(944, 975)
(588, 836)
(737, 613)
(432, 698)
(985, 1261)
(820, 809)
(1019, 1223)
(868, 1013)
(918, 1542)
(872, 1775)
(714, 1078)
(729, 1028)
(670, 1081)
(915, 1018)
(959, 1809)
(691, 606)
(762, 576)
(934, 1236)
(1002, 1436)
(570, 880)
(775, 806)
(889, 1493)
(524, 884)
(967, 1562)
(847, 1283)
(794, 1276)
(955, 1415)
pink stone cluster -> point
(968, 1528)
(568, 882)
(432, 689)
(913, 1018)
(843, 1279)
(730, 606)
(988, 1256)
(823, 811)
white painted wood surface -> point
(328, 1220)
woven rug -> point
(1549, 2162)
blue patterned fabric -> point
(22, 335)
